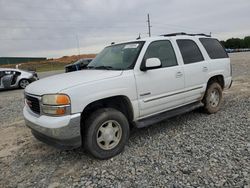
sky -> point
(55, 28)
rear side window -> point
(162, 50)
(190, 51)
(213, 48)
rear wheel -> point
(213, 98)
(24, 83)
(107, 132)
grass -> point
(49, 67)
(50, 64)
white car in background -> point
(136, 83)
(16, 78)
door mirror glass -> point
(153, 63)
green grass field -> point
(50, 64)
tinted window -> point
(15, 73)
(7, 72)
(190, 51)
(1, 74)
(162, 50)
(214, 48)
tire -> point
(213, 98)
(106, 134)
(23, 83)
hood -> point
(57, 83)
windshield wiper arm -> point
(104, 67)
(90, 67)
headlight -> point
(59, 99)
(58, 104)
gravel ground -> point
(192, 150)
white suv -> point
(136, 83)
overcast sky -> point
(51, 28)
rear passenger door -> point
(219, 62)
(195, 69)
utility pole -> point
(78, 46)
(149, 26)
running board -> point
(168, 114)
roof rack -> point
(182, 33)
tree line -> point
(236, 43)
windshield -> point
(117, 57)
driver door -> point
(160, 89)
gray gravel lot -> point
(192, 150)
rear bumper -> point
(60, 132)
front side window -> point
(16, 73)
(190, 51)
(213, 48)
(162, 50)
(117, 57)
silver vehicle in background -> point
(16, 78)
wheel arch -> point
(217, 78)
(120, 102)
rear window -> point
(214, 48)
(190, 51)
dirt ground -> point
(26, 162)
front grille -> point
(33, 104)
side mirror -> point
(152, 63)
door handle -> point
(179, 74)
(204, 69)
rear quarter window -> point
(214, 48)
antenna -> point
(78, 45)
(149, 26)
(139, 37)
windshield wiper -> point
(90, 67)
(102, 67)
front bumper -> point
(61, 132)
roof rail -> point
(173, 34)
(182, 33)
(200, 34)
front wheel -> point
(24, 83)
(213, 98)
(107, 132)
